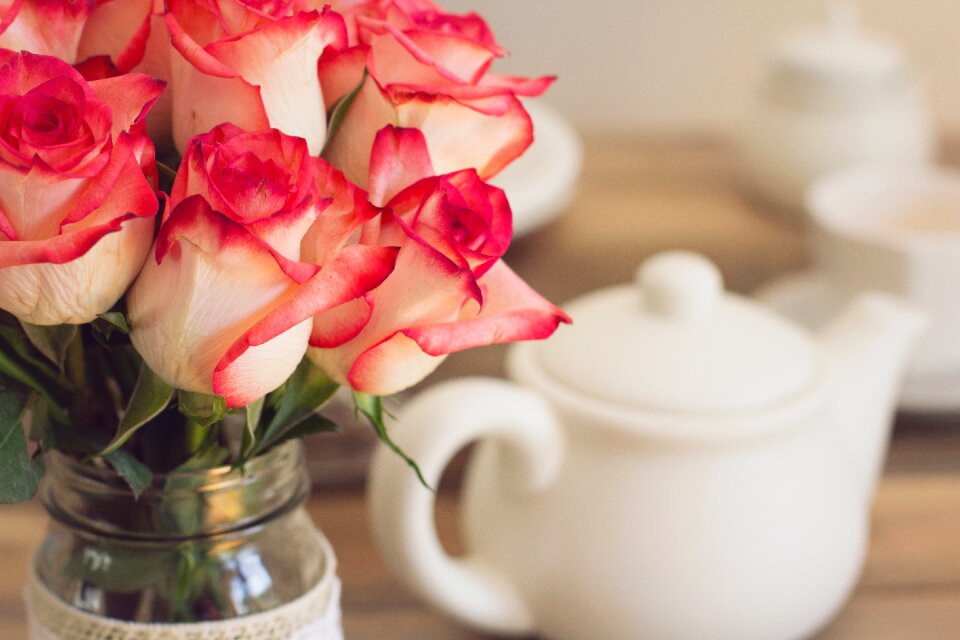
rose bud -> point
(428, 70)
(226, 305)
(76, 211)
(254, 67)
(449, 291)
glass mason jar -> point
(195, 547)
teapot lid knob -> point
(684, 347)
(680, 285)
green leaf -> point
(339, 111)
(137, 476)
(313, 423)
(40, 428)
(107, 323)
(252, 413)
(15, 370)
(123, 365)
(52, 341)
(19, 475)
(151, 395)
(372, 408)
(20, 361)
(202, 408)
(304, 392)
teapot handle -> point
(432, 428)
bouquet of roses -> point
(318, 217)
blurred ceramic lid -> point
(675, 341)
(840, 54)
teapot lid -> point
(841, 52)
(676, 342)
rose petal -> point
(399, 159)
(340, 324)
(345, 211)
(391, 366)
(59, 249)
(515, 312)
(255, 372)
(298, 272)
(72, 278)
(193, 23)
(218, 281)
(466, 219)
(281, 59)
(512, 311)
(25, 71)
(97, 68)
(355, 271)
(262, 180)
(65, 217)
(460, 137)
(350, 149)
(427, 58)
(340, 72)
(34, 203)
(119, 29)
(424, 288)
(194, 112)
(46, 27)
(120, 188)
(130, 97)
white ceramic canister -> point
(832, 98)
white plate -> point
(809, 299)
(541, 183)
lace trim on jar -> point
(314, 616)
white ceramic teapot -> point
(678, 464)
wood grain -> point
(638, 197)
(910, 588)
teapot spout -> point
(867, 347)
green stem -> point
(82, 410)
(199, 438)
(195, 435)
(76, 366)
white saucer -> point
(809, 299)
(542, 182)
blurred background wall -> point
(690, 66)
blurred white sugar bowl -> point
(894, 229)
(833, 97)
(897, 229)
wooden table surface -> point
(638, 197)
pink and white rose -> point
(429, 70)
(133, 35)
(252, 63)
(45, 27)
(76, 209)
(102, 38)
(449, 291)
(226, 305)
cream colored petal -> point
(75, 292)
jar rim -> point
(213, 478)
